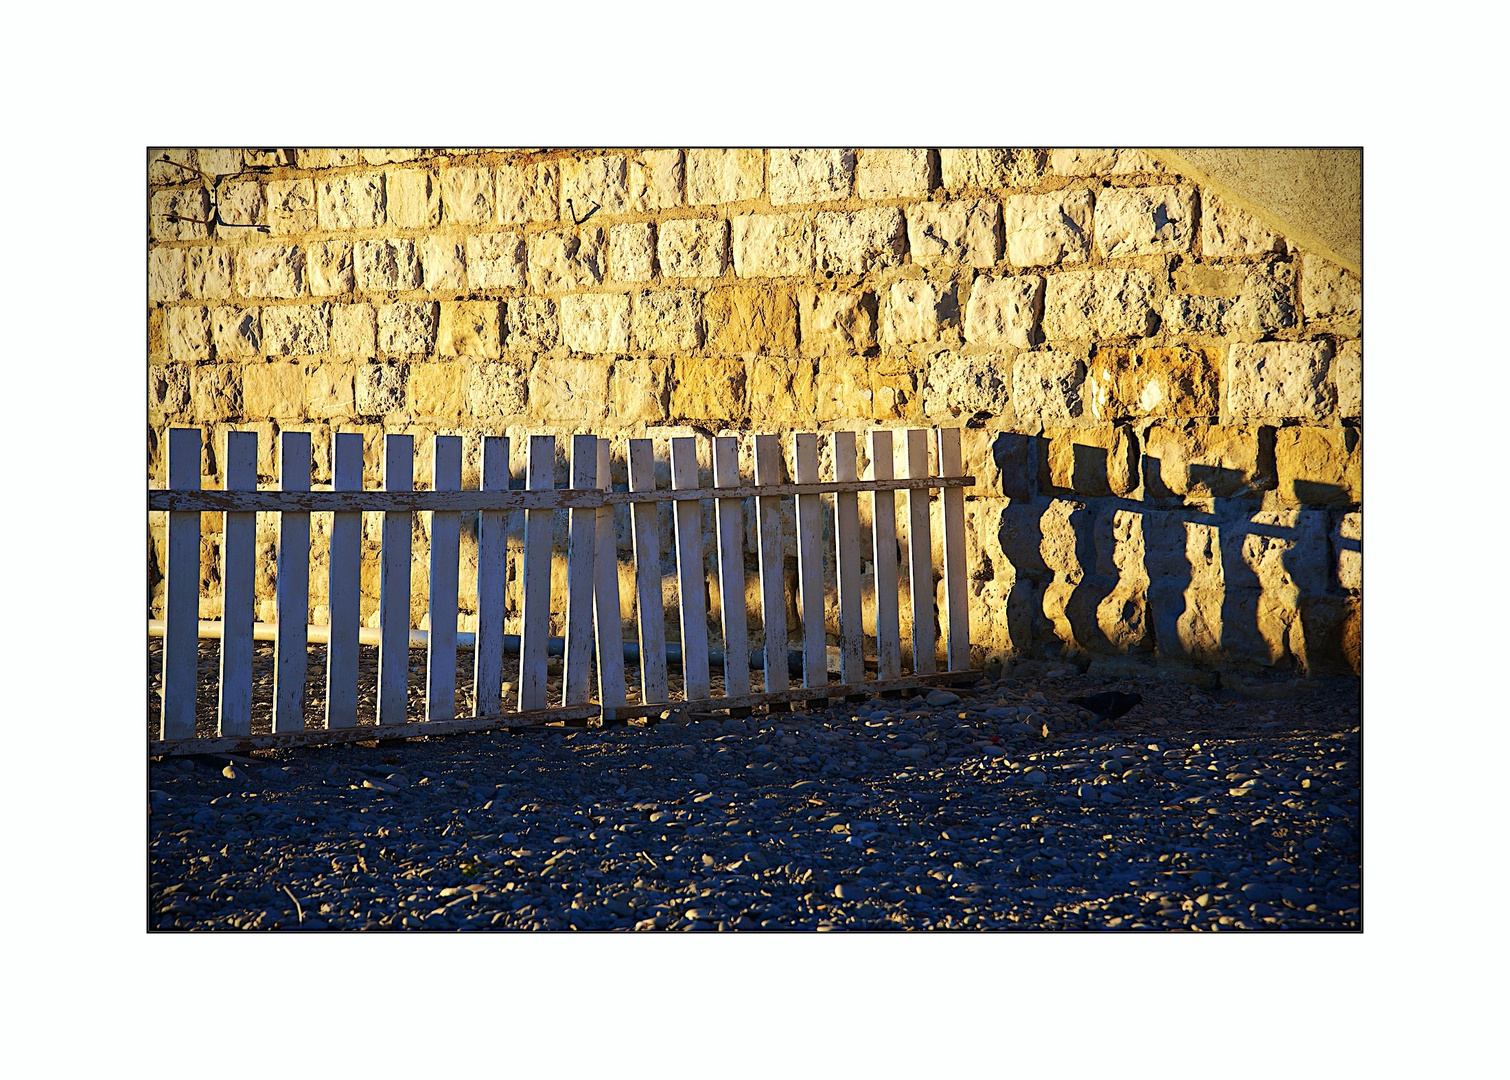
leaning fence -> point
(593, 629)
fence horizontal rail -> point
(376, 502)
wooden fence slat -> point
(181, 592)
(956, 584)
(884, 530)
(647, 574)
(772, 557)
(847, 552)
(445, 573)
(691, 581)
(291, 664)
(345, 589)
(920, 557)
(238, 550)
(535, 631)
(810, 563)
(492, 574)
(731, 569)
(606, 616)
(393, 585)
(582, 533)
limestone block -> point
(467, 195)
(296, 331)
(744, 319)
(964, 232)
(837, 323)
(843, 389)
(693, 247)
(219, 161)
(595, 322)
(568, 390)
(1203, 461)
(165, 275)
(208, 273)
(708, 388)
(781, 390)
(991, 168)
(668, 320)
(602, 181)
(1048, 386)
(437, 391)
(240, 202)
(1175, 381)
(350, 201)
(808, 176)
(1145, 221)
(168, 391)
(1282, 551)
(916, 309)
(1347, 541)
(353, 331)
(469, 328)
(1102, 162)
(407, 327)
(641, 390)
(291, 206)
(180, 214)
(273, 390)
(896, 396)
(237, 332)
(859, 241)
(496, 261)
(966, 387)
(413, 198)
(1327, 291)
(443, 262)
(1347, 372)
(1093, 304)
(1228, 232)
(1091, 461)
(1319, 466)
(893, 174)
(330, 391)
(655, 180)
(772, 245)
(497, 391)
(1249, 301)
(528, 191)
(724, 176)
(1047, 230)
(532, 324)
(1280, 380)
(381, 388)
(331, 266)
(270, 271)
(1004, 310)
(217, 392)
(564, 260)
(187, 331)
(631, 251)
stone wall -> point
(1161, 395)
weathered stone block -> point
(1228, 232)
(381, 388)
(743, 319)
(1145, 221)
(1280, 380)
(187, 331)
(209, 273)
(496, 261)
(656, 180)
(859, 241)
(237, 332)
(529, 191)
(602, 181)
(1347, 541)
(271, 271)
(1347, 371)
(387, 265)
(407, 328)
(331, 267)
(967, 387)
(965, 232)
(595, 322)
(772, 245)
(443, 261)
(708, 388)
(1047, 230)
(413, 198)
(532, 324)
(437, 391)
(330, 391)
(641, 389)
(1102, 162)
(1250, 301)
(327, 158)
(497, 391)
(240, 202)
(837, 323)
(351, 201)
(1004, 311)
(566, 390)
(669, 320)
(1319, 466)
(1327, 291)
(467, 195)
(168, 393)
(353, 331)
(291, 206)
(220, 160)
(781, 390)
(991, 168)
(724, 176)
(1048, 386)
(916, 309)
(564, 260)
(1091, 461)
(896, 394)
(274, 391)
(843, 390)
(296, 331)
(1204, 461)
(894, 174)
(469, 328)
(217, 392)
(1175, 381)
(631, 251)
(693, 247)
(1090, 304)
(808, 176)
(180, 214)
(165, 275)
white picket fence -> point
(592, 602)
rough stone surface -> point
(291, 206)
(237, 332)
(1088, 304)
(443, 260)
(387, 265)
(413, 198)
(532, 324)
(350, 201)
(860, 241)
(353, 330)
(1327, 291)
(894, 174)
(568, 390)
(1203, 461)
(693, 247)
(331, 266)
(1145, 221)
(1319, 466)
(209, 273)
(1047, 230)
(837, 323)
(915, 310)
(656, 180)
(780, 390)
(274, 272)
(667, 321)
(565, 260)
(528, 191)
(165, 275)
(772, 245)
(188, 334)
(496, 391)
(1243, 302)
(1102, 162)
(469, 328)
(631, 252)
(747, 319)
(1228, 232)
(1347, 372)
(1004, 311)
(966, 232)
(724, 176)
(595, 322)
(1091, 461)
(640, 390)
(467, 195)
(1175, 381)
(1279, 380)
(1048, 386)
(497, 261)
(274, 390)
(708, 388)
(407, 327)
(601, 181)
(991, 168)
(810, 176)
(959, 388)
(296, 330)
